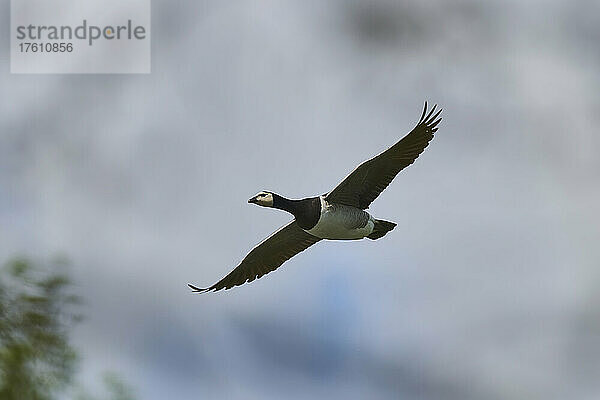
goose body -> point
(341, 222)
(337, 215)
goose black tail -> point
(381, 228)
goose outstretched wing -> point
(266, 257)
(370, 178)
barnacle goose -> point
(337, 215)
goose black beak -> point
(252, 200)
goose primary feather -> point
(337, 215)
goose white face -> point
(264, 199)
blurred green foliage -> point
(37, 313)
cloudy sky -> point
(490, 285)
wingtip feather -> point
(430, 117)
(196, 289)
(424, 112)
(430, 113)
(430, 120)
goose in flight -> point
(337, 215)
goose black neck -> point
(282, 203)
(307, 212)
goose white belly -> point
(342, 222)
